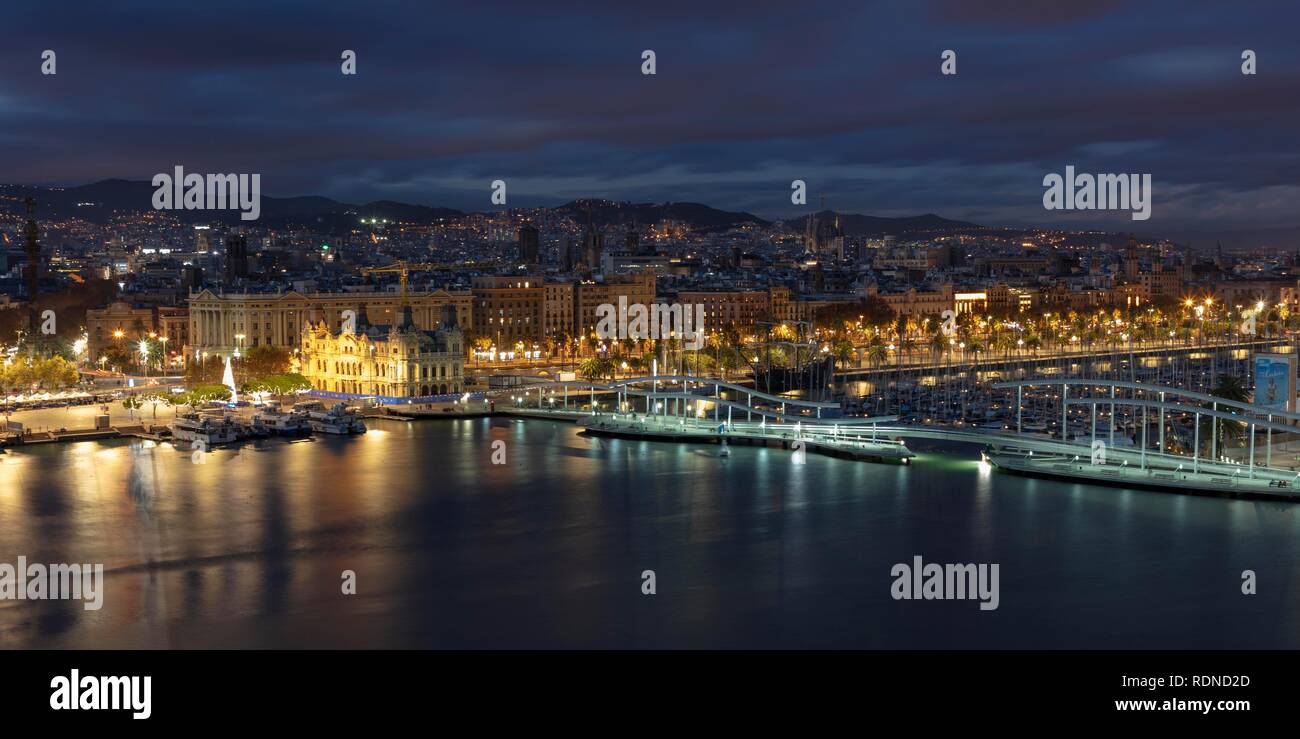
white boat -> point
(282, 423)
(208, 431)
(334, 420)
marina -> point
(1100, 430)
(215, 425)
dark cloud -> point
(1022, 13)
(548, 96)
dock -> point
(785, 435)
(153, 433)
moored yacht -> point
(206, 430)
(337, 419)
(282, 423)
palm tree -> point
(154, 354)
(1232, 388)
(842, 349)
(938, 345)
(877, 352)
(595, 369)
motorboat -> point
(336, 419)
(204, 430)
(283, 423)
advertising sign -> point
(1275, 381)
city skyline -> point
(302, 209)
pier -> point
(1107, 431)
(707, 410)
(852, 442)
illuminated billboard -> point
(1275, 381)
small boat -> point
(283, 423)
(335, 420)
(205, 430)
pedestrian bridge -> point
(710, 410)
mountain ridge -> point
(98, 201)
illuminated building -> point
(118, 323)
(588, 296)
(508, 309)
(385, 361)
(728, 307)
(276, 319)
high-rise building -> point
(567, 259)
(236, 258)
(634, 245)
(191, 278)
(1131, 260)
(824, 236)
(593, 245)
(529, 243)
(33, 266)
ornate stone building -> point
(396, 361)
(222, 323)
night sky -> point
(749, 95)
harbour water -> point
(247, 549)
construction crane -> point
(403, 269)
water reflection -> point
(247, 548)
